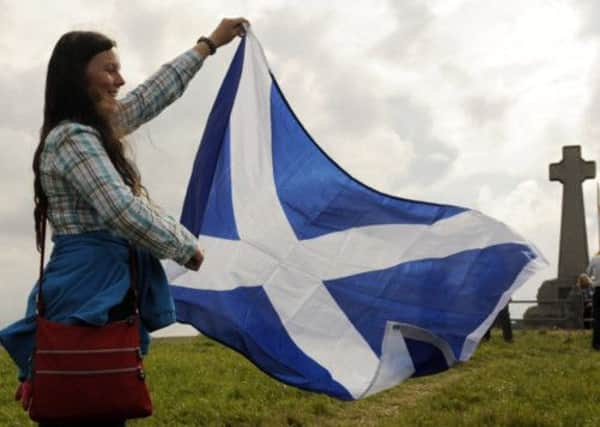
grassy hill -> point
(544, 378)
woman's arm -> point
(151, 97)
(81, 159)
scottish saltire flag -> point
(321, 281)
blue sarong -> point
(86, 276)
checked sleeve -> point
(151, 97)
(82, 161)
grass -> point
(544, 378)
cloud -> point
(20, 266)
(385, 173)
(19, 87)
(433, 157)
(16, 184)
(590, 14)
(412, 20)
(485, 109)
(144, 15)
(592, 212)
(590, 126)
(526, 207)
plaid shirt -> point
(86, 193)
(593, 270)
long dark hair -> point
(67, 98)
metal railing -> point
(574, 305)
(547, 302)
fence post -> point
(574, 310)
(596, 316)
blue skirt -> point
(86, 276)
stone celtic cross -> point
(553, 309)
(571, 171)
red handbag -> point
(83, 373)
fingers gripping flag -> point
(321, 281)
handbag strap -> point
(132, 270)
(39, 302)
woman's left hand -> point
(195, 262)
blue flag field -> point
(319, 280)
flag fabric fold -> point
(322, 282)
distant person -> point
(584, 285)
(502, 320)
(92, 194)
(593, 270)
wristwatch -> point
(212, 47)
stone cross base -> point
(558, 306)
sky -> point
(464, 102)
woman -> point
(584, 285)
(92, 194)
